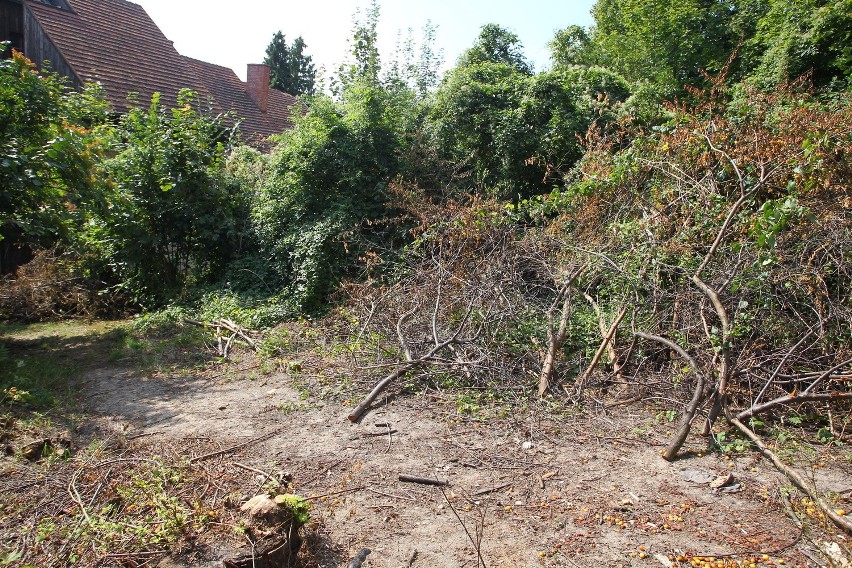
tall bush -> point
(326, 197)
(46, 153)
(174, 219)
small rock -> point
(722, 481)
(699, 476)
(527, 445)
(35, 450)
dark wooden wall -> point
(39, 48)
(12, 23)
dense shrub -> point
(327, 195)
(175, 215)
(517, 134)
(46, 153)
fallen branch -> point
(376, 434)
(359, 559)
(720, 393)
(795, 477)
(377, 492)
(341, 492)
(75, 495)
(476, 542)
(422, 480)
(359, 411)
(229, 325)
(266, 476)
(237, 447)
(492, 490)
(793, 399)
(674, 446)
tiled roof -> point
(116, 43)
(229, 94)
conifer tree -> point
(290, 70)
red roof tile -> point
(229, 94)
(116, 43)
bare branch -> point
(689, 413)
(795, 477)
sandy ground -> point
(525, 487)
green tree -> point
(290, 70)
(496, 45)
(810, 36)
(573, 46)
(417, 66)
(517, 135)
(174, 219)
(468, 120)
(327, 194)
(664, 42)
(46, 152)
(364, 63)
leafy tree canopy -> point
(797, 37)
(46, 151)
(668, 43)
(496, 44)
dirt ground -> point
(528, 485)
(573, 491)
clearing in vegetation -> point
(148, 460)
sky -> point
(234, 34)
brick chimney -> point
(257, 84)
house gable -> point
(82, 40)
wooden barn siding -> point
(39, 49)
(12, 23)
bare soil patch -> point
(528, 485)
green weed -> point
(36, 380)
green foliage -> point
(417, 68)
(795, 38)
(298, 506)
(45, 154)
(730, 444)
(327, 188)
(175, 215)
(257, 310)
(671, 46)
(496, 45)
(364, 64)
(573, 46)
(667, 43)
(520, 134)
(469, 111)
(290, 70)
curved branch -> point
(674, 446)
(794, 399)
